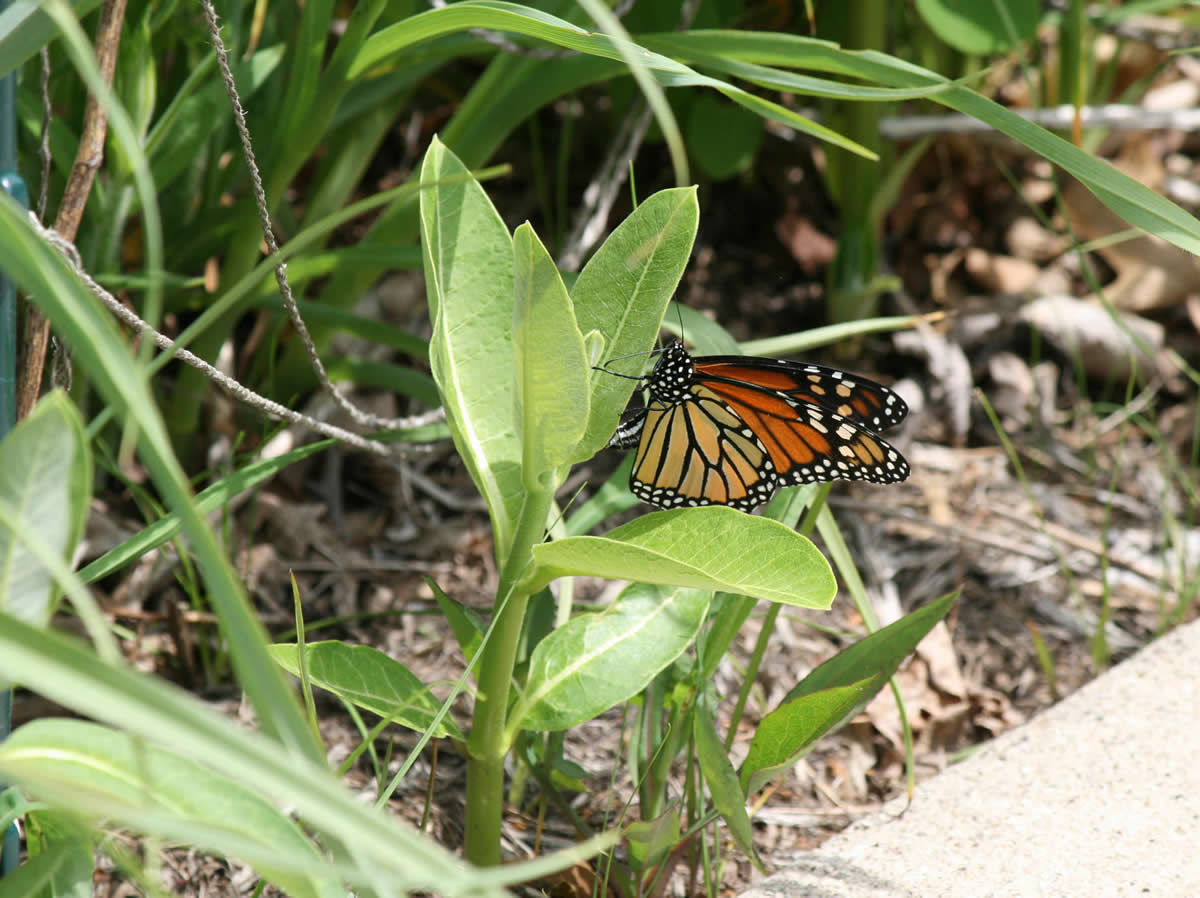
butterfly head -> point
(672, 375)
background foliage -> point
(367, 120)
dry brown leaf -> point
(937, 650)
(1013, 392)
(941, 705)
(1085, 331)
(811, 249)
(1193, 312)
(951, 373)
(1001, 274)
(1151, 273)
(578, 881)
(1027, 239)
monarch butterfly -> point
(730, 430)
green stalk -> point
(768, 627)
(857, 181)
(652, 790)
(669, 743)
(487, 745)
(1072, 78)
(760, 649)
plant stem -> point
(768, 627)
(487, 745)
(760, 649)
(855, 263)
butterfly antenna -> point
(619, 358)
(604, 368)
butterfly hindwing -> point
(721, 461)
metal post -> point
(12, 184)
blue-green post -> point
(12, 184)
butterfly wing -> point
(698, 452)
(807, 443)
(729, 430)
(854, 398)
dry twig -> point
(235, 389)
(360, 417)
(79, 186)
(87, 163)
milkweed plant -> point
(512, 353)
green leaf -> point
(541, 614)
(791, 729)
(135, 84)
(706, 335)
(838, 552)
(552, 374)
(199, 108)
(52, 873)
(25, 28)
(712, 53)
(722, 781)
(46, 478)
(512, 17)
(596, 661)
(800, 342)
(623, 292)
(611, 497)
(879, 654)
(467, 626)
(469, 279)
(63, 843)
(593, 344)
(712, 548)
(1135, 202)
(368, 678)
(221, 492)
(651, 841)
(399, 379)
(13, 804)
(379, 332)
(128, 778)
(864, 668)
(722, 137)
(68, 673)
(569, 776)
(981, 28)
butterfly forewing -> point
(854, 398)
(809, 444)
